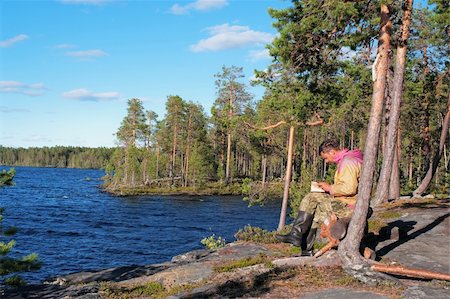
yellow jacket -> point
(346, 179)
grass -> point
(242, 263)
(309, 279)
(155, 290)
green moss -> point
(156, 290)
(242, 263)
(389, 214)
(375, 225)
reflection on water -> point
(63, 216)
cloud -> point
(4, 109)
(9, 42)
(34, 90)
(228, 37)
(87, 53)
(259, 55)
(83, 94)
(199, 5)
(88, 2)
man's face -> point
(329, 156)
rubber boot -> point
(299, 228)
(308, 242)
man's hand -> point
(325, 186)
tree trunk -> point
(188, 151)
(174, 151)
(157, 161)
(394, 115)
(264, 169)
(287, 179)
(394, 182)
(432, 170)
(230, 115)
(349, 254)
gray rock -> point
(191, 256)
(339, 293)
(421, 292)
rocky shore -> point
(413, 233)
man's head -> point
(329, 149)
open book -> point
(315, 187)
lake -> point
(63, 216)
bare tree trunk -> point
(264, 168)
(188, 151)
(157, 161)
(391, 139)
(230, 114)
(287, 179)
(174, 151)
(432, 170)
(350, 256)
(394, 182)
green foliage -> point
(255, 234)
(12, 265)
(212, 242)
(57, 156)
(6, 177)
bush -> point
(255, 234)
(212, 243)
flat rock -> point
(341, 293)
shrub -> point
(212, 243)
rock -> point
(420, 292)
(191, 256)
(338, 293)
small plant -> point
(6, 177)
(255, 234)
(212, 243)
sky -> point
(68, 67)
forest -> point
(56, 156)
(326, 62)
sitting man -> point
(338, 199)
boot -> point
(308, 242)
(299, 228)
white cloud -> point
(83, 94)
(87, 53)
(34, 90)
(259, 55)
(200, 5)
(228, 37)
(9, 42)
(89, 2)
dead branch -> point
(410, 272)
(317, 122)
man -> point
(338, 198)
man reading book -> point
(339, 198)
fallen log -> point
(410, 272)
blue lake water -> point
(63, 216)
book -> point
(315, 187)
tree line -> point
(320, 84)
(57, 156)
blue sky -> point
(68, 67)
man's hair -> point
(328, 145)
